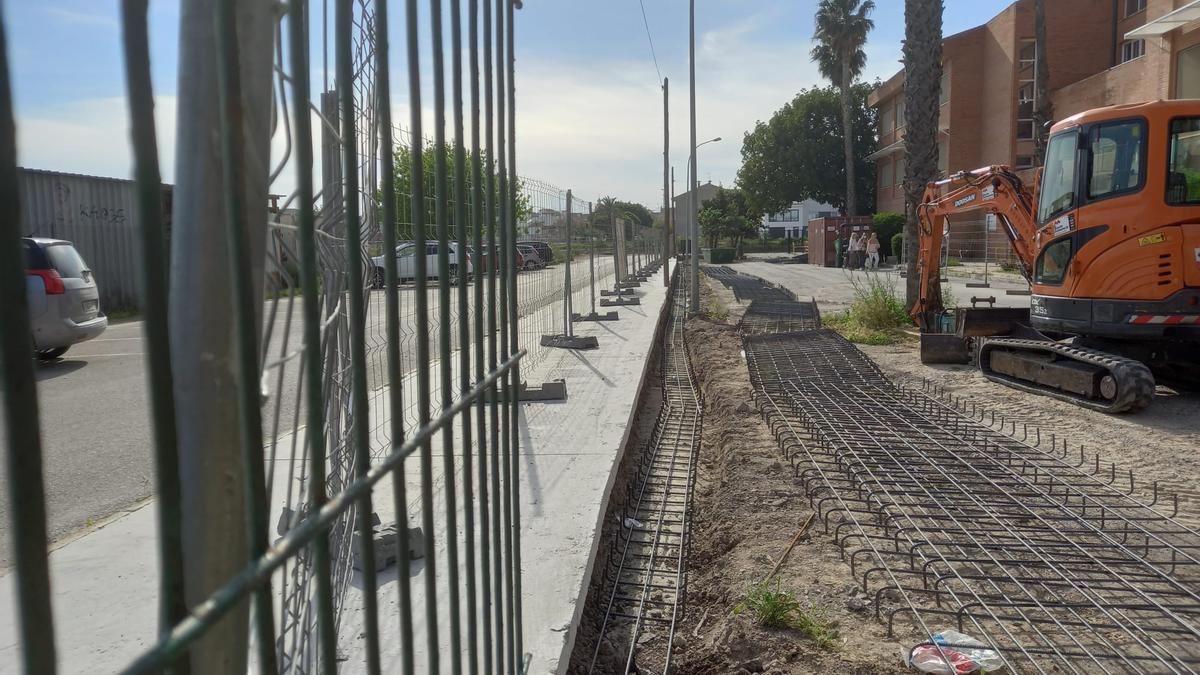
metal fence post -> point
(23, 454)
(200, 308)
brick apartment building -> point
(1100, 52)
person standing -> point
(852, 256)
(873, 251)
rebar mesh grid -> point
(952, 524)
(645, 580)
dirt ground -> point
(1161, 443)
(747, 507)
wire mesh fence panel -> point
(374, 318)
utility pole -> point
(666, 242)
(693, 204)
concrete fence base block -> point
(595, 316)
(570, 341)
(619, 302)
(555, 390)
(385, 539)
(605, 293)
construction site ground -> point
(1157, 444)
(748, 506)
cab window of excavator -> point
(1116, 158)
(1058, 176)
(1183, 174)
(1052, 264)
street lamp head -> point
(715, 139)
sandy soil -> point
(746, 510)
(1161, 443)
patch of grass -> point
(123, 314)
(711, 307)
(949, 300)
(1009, 266)
(953, 262)
(876, 316)
(776, 608)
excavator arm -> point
(994, 189)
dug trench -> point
(747, 507)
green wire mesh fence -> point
(367, 413)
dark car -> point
(543, 250)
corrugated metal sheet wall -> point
(98, 215)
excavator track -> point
(1086, 377)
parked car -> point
(486, 262)
(530, 260)
(544, 251)
(406, 263)
(64, 303)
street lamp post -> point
(692, 203)
(694, 232)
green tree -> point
(841, 32)
(798, 154)
(887, 225)
(631, 212)
(922, 105)
(403, 187)
(726, 216)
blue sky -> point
(589, 102)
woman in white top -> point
(873, 251)
(855, 247)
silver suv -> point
(64, 304)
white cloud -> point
(83, 18)
(90, 136)
(597, 127)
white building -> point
(792, 222)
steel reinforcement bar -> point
(954, 524)
(646, 578)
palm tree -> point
(1043, 111)
(922, 105)
(842, 27)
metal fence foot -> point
(595, 316)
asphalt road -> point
(95, 432)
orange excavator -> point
(1109, 240)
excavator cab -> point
(1109, 239)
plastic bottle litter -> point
(964, 653)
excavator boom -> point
(996, 190)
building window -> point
(1024, 162)
(943, 156)
(1188, 73)
(1026, 103)
(886, 121)
(944, 86)
(900, 118)
(1132, 49)
(1134, 6)
(900, 171)
(789, 216)
(885, 173)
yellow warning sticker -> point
(1152, 239)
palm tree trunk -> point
(922, 96)
(1043, 111)
(848, 139)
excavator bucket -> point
(944, 348)
(970, 322)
